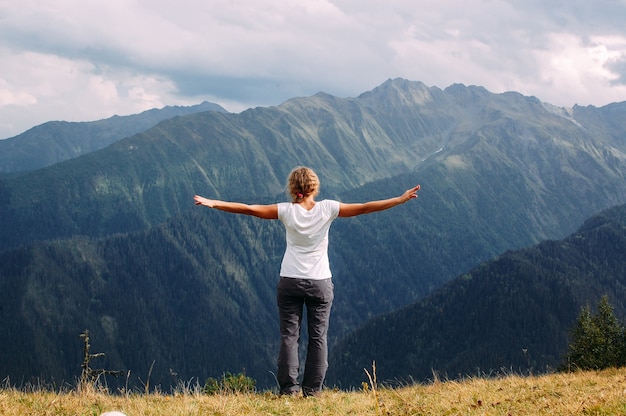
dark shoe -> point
(293, 393)
(311, 393)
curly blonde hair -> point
(302, 182)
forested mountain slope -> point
(513, 313)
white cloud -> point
(11, 96)
(84, 60)
(37, 87)
(581, 70)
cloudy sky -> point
(83, 60)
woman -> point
(305, 276)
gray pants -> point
(292, 296)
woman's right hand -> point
(199, 200)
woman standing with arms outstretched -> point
(305, 276)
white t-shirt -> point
(306, 255)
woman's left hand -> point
(410, 193)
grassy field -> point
(582, 393)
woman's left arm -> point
(352, 210)
(268, 212)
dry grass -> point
(583, 393)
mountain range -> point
(110, 240)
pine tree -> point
(597, 339)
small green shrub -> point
(230, 383)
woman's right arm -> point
(268, 212)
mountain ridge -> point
(57, 141)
